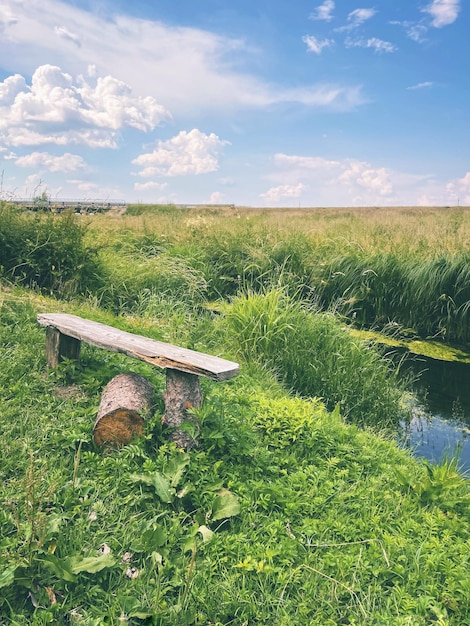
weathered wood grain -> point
(157, 353)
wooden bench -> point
(64, 334)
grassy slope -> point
(336, 526)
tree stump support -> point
(183, 392)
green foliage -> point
(431, 296)
(47, 252)
(313, 355)
(410, 267)
(144, 278)
(285, 513)
(439, 483)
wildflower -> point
(104, 549)
(132, 572)
(126, 557)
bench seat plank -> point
(158, 353)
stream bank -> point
(440, 398)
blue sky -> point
(258, 103)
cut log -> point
(183, 392)
(125, 401)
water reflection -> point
(441, 419)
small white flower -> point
(104, 549)
(127, 557)
(132, 572)
(93, 517)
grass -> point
(297, 507)
(312, 354)
(409, 266)
(322, 522)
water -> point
(441, 419)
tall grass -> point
(314, 356)
(431, 296)
(408, 266)
(47, 252)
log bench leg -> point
(183, 392)
(59, 346)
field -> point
(296, 507)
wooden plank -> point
(155, 352)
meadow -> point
(296, 507)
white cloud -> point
(378, 45)
(348, 178)
(424, 85)
(327, 96)
(316, 45)
(276, 194)
(150, 184)
(187, 69)
(54, 109)
(414, 30)
(7, 18)
(191, 152)
(304, 162)
(216, 197)
(443, 12)
(10, 88)
(356, 18)
(323, 11)
(459, 190)
(376, 180)
(64, 33)
(65, 163)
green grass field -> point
(296, 507)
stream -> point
(440, 425)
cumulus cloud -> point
(323, 11)
(443, 12)
(216, 197)
(378, 45)
(191, 152)
(347, 178)
(150, 185)
(365, 176)
(276, 194)
(64, 163)
(214, 69)
(316, 45)
(55, 109)
(459, 190)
